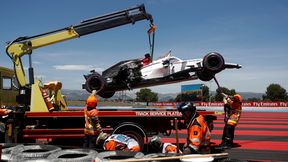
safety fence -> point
(217, 104)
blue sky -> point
(251, 33)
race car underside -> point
(127, 75)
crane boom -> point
(25, 45)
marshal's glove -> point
(224, 95)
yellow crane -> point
(32, 94)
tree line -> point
(274, 92)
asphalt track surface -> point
(259, 136)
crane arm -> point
(25, 45)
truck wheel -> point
(73, 155)
(32, 152)
(110, 155)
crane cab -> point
(8, 88)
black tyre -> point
(32, 152)
(106, 94)
(94, 82)
(73, 155)
(205, 75)
(213, 62)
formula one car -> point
(131, 74)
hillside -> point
(127, 95)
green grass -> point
(104, 103)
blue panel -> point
(191, 87)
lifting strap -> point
(151, 41)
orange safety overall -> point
(233, 112)
(92, 123)
(121, 142)
(3, 112)
(198, 135)
(169, 148)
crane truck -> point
(35, 118)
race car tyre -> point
(213, 62)
(73, 155)
(6, 150)
(205, 75)
(32, 152)
(94, 82)
(110, 155)
(106, 94)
